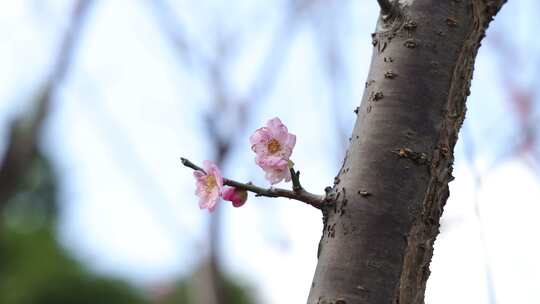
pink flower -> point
(273, 146)
(276, 169)
(209, 185)
(236, 196)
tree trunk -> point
(389, 195)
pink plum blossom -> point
(236, 196)
(276, 169)
(273, 146)
(209, 186)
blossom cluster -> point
(273, 146)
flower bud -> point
(236, 196)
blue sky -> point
(130, 108)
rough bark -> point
(389, 195)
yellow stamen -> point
(273, 146)
(210, 183)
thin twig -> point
(298, 193)
(189, 164)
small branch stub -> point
(295, 178)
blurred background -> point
(100, 99)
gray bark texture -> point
(383, 216)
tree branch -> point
(298, 193)
(25, 130)
(380, 252)
(386, 6)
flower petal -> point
(290, 142)
(198, 174)
(260, 135)
(277, 129)
(208, 192)
(275, 176)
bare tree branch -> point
(22, 142)
(387, 258)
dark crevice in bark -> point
(378, 234)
